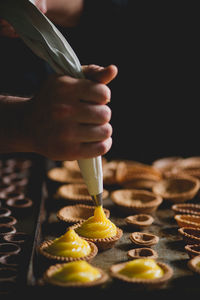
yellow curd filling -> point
(97, 226)
(143, 268)
(77, 271)
(69, 245)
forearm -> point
(14, 129)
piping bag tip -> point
(97, 199)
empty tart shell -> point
(77, 193)
(177, 188)
(142, 253)
(143, 184)
(62, 259)
(126, 172)
(166, 164)
(137, 282)
(189, 166)
(136, 201)
(194, 264)
(139, 220)
(190, 235)
(102, 243)
(47, 277)
(186, 208)
(144, 239)
(193, 250)
(187, 220)
(78, 213)
(64, 175)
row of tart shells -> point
(136, 179)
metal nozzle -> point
(98, 201)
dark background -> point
(155, 96)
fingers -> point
(88, 150)
(72, 89)
(93, 114)
(93, 133)
(93, 92)
(100, 74)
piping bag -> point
(47, 42)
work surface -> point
(43, 224)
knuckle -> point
(105, 146)
(107, 130)
(106, 114)
(105, 92)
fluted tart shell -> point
(47, 277)
(62, 259)
(187, 220)
(77, 213)
(186, 208)
(102, 243)
(157, 282)
(177, 188)
(190, 235)
(136, 201)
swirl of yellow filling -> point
(97, 226)
(76, 271)
(69, 245)
(144, 268)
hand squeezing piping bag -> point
(47, 42)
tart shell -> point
(77, 213)
(186, 208)
(77, 193)
(190, 235)
(102, 243)
(193, 250)
(63, 259)
(54, 268)
(154, 283)
(139, 220)
(136, 201)
(144, 238)
(187, 220)
(142, 253)
(177, 188)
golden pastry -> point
(70, 246)
(142, 271)
(99, 229)
(75, 274)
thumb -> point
(100, 74)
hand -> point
(69, 118)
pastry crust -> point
(102, 243)
(139, 220)
(187, 220)
(142, 253)
(190, 235)
(56, 258)
(177, 189)
(186, 208)
(77, 193)
(144, 238)
(136, 201)
(77, 213)
(168, 272)
(47, 277)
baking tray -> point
(42, 224)
(28, 221)
(170, 249)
